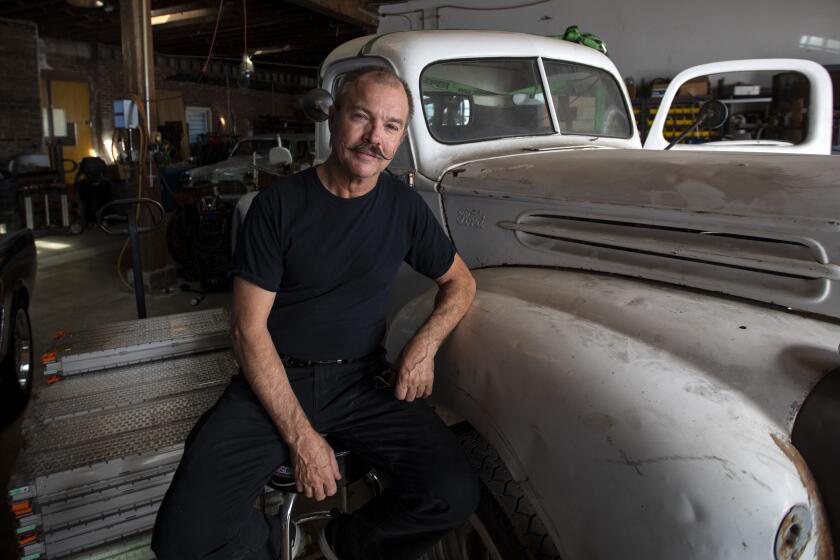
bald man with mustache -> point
(314, 262)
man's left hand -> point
(415, 372)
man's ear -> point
(331, 118)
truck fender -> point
(598, 389)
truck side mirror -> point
(714, 113)
(316, 104)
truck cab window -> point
(474, 100)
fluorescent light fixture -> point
(174, 17)
(86, 3)
(273, 50)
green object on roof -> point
(575, 35)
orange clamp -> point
(49, 357)
(27, 540)
(21, 508)
(53, 379)
(59, 334)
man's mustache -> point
(371, 149)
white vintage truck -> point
(650, 368)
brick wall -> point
(101, 67)
(20, 99)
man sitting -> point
(314, 261)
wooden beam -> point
(350, 11)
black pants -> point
(234, 448)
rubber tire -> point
(510, 509)
(15, 398)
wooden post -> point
(138, 54)
(139, 72)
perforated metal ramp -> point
(101, 448)
(154, 329)
(138, 341)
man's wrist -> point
(301, 437)
(421, 347)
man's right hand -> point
(316, 469)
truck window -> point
(472, 100)
(587, 100)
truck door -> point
(774, 106)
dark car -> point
(18, 262)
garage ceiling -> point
(299, 32)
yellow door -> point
(74, 98)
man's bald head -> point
(378, 75)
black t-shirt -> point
(332, 260)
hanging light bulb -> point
(246, 68)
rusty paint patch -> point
(824, 547)
(794, 533)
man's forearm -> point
(452, 301)
(264, 371)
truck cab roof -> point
(527, 90)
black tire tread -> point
(13, 400)
(514, 509)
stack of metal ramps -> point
(101, 448)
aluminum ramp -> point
(101, 448)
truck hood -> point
(752, 225)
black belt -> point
(291, 362)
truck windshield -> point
(587, 100)
(471, 100)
